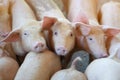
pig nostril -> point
(58, 49)
(36, 47)
(63, 50)
(105, 56)
(42, 45)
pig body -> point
(79, 10)
(102, 2)
(89, 36)
(108, 67)
(5, 26)
(109, 14)
(39, 66)
(69, 74)
(60, 35)
(26, 34)
(61, 6)
(8, 66)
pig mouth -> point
(61, 53)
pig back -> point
(44, 8)
(109, 14)
(21, 13)
(38, 66)
(8, 68)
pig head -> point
(91, 39)
(61, 37)
(28, 37)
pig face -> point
(63, 37)
(92, 39)
(30, 37)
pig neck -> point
(48, 8)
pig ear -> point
(85, 29)
(110, 31)
(12, 36)
(48, 22)
(81, 18)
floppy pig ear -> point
(83, 18)
(48, 22)
(110, 31)
(85, 29)
(12, 36)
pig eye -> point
(55, 33)
(25, 33)
(90, 39)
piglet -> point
(91, 39)
(39, 66)
(109, 66)
(69, 74)
(89, 35)
(26, 34)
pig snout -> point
(39, 46)
(103, 55)
(61, 51)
